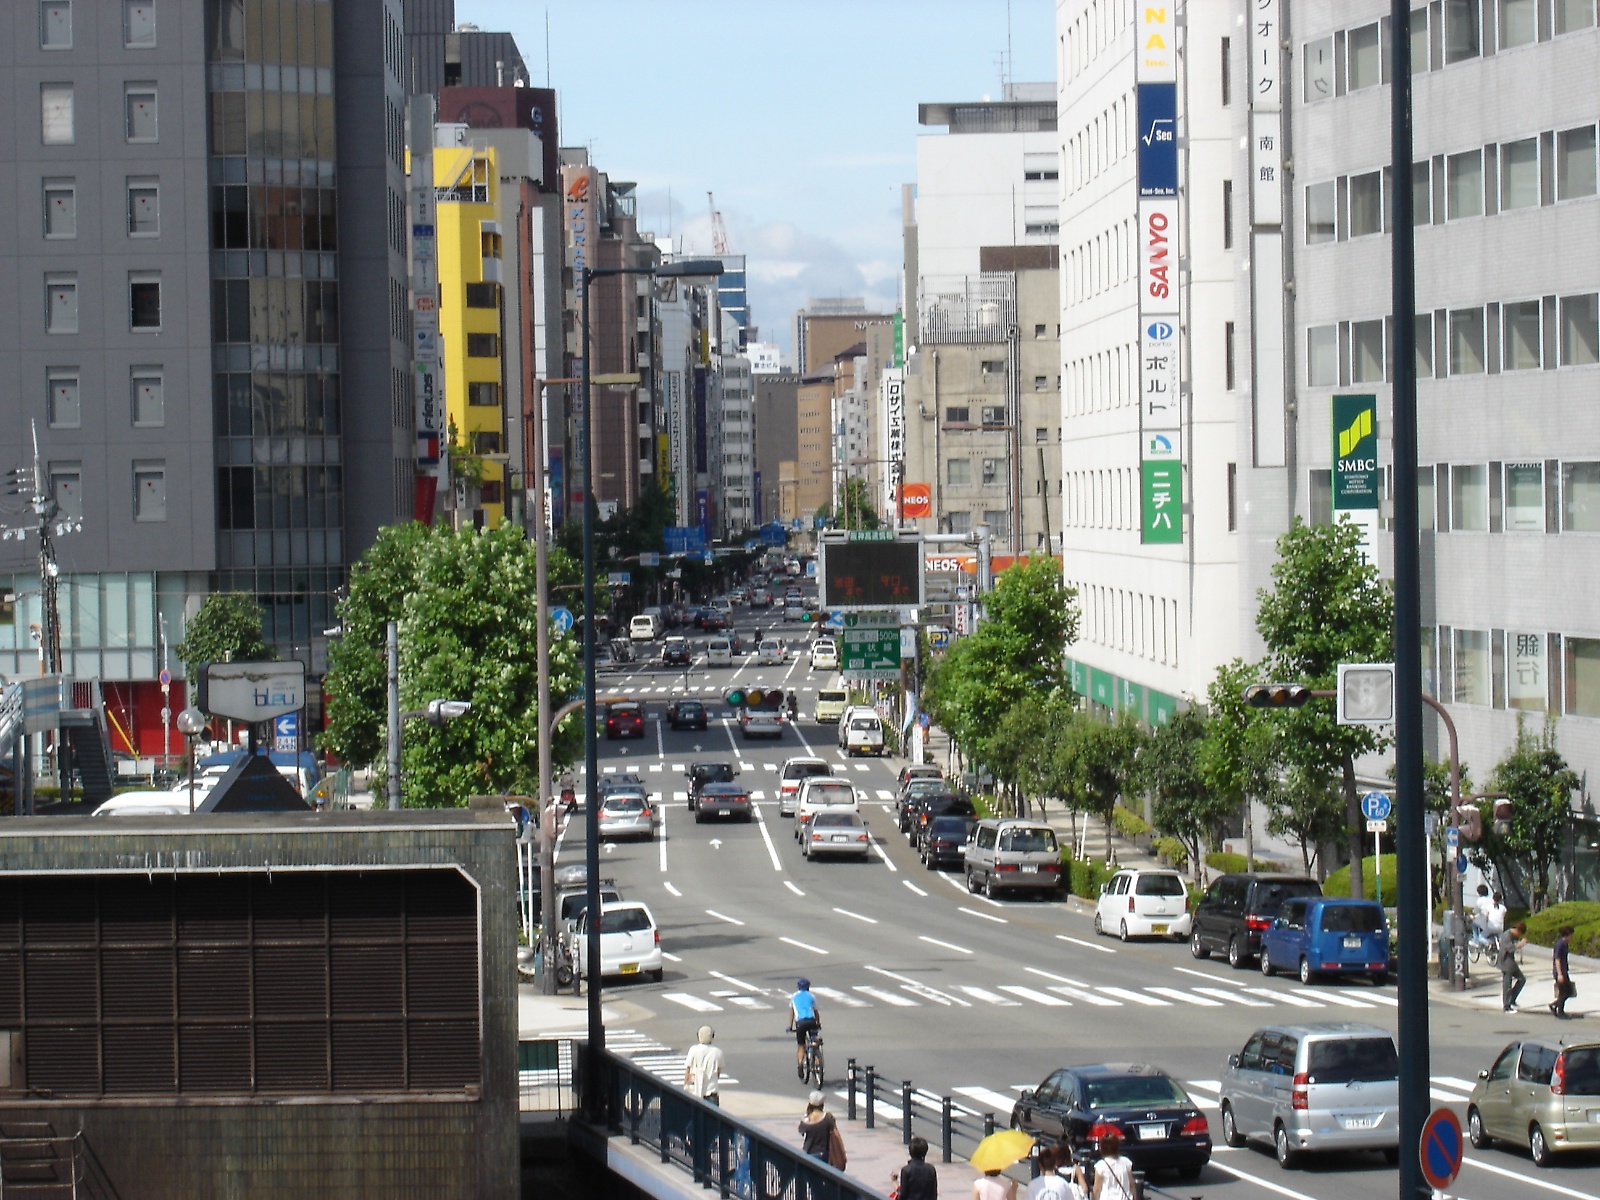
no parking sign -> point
(1441, 1148)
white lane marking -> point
(657, 766)
(947, 945)
(661, 832)
(748, 1002)
(972, 912)
(1445, 1097)
(893, 998)
(1384, 998)
(1186, 997)
(1061, 937)
(913, 887)
(692, 1003)
(845, 912)
(863, 766)
(1043, 974)
(1286, 997)
(1236, 997)
(1461, 1085)
(661, 744)
(1210, 978)
(1214, 1086)
(711, 912)
(1259, 1182)
(1028, 993)
(1136, 997)
(769, 767)
(1347, 1001)
(677, 766)
(885, 794)
(684, 796)
(1086, 996)
(988, 997)
(803, 945)
(772, 851)
(1001, 1105)
(954, 882)
(668, 885)
(738, 983)
(838, 997)
(789, 883)
(1539, 1183)
(758, 795)
(884, 854)
(917, 988)
(670, 957)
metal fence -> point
(547, 1076)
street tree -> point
(226, 628)
(1171, 767)
(1241, 755)
(1539, 783)
(1020, 752)
(1100, 758)
(1304, 807)
(1327, 605)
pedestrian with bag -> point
(820, 1136)
(917, 1180)
(1561, 969)
(1512, 980)
(1113, 1174)
(702, 1067)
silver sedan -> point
(836, 835)
(624, 815)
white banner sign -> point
(1159, 380)
(1156, 31)
(1158, 256)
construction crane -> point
(719, 231)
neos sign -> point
(252, 691)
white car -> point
(770, 653)
(630, 942)
(824, 793)
(792, 774)
(719, 652)
(825, 655)
(1143, 903)
(761, 722)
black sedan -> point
(723, 800)
(928, 806)
(944, 841)
(686, 714)
(1161, 1128)
(676, 653)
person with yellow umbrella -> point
(993, 1155)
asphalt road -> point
(965, 996)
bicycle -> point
(811, 1064)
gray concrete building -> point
(443, 53)
(776, 412)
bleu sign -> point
(1158, 139)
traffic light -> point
(1502, 817)
(1276, 695)
(1469, 821)
(733, 697)
(755, 698)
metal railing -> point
(35, 1161)
(547, 1076)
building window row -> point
(1103, 499)
(292, 312)
(64, 399)
(1096, 27)
(273, 217)
(1519, 670)
(1548, 496)
(58, 114)
(1099, 143)
(274, 497)
(1105, 380)
(143, 203)
(138, 24)
(272, 404)
(148, 479)
(1103, 262)
(62, 305)
(1129, 622)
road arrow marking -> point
(716, 843)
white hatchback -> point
(630, 942)
(1138, 903)
(770, 653)
(719, 652)
(825, 655)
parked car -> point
(919, 771)
(702, 773)
(630, 942)
(1143, 904)
(627, 814)
(1540, 1094)
(792, 774)
(770, 653)
(761, 722)
(824, 655)
(818, 793)
(1237, 909)
(719, 652)
(625, 718)
(833, 834)
(926, 807)
(861, 731)
(905, 799)
(675, 652)
(1309, 1088)
(1322, 935)
(831, 703)
(1161, 1127)
(572, 897)
(1013, 855)
(944, 841)
(723, 800)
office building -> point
(777, 438)
(442, 53)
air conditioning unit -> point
(994, 414)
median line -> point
(789, 883)
(947, 945)
(845, 912)
(1086, 945)
(803, 945)
(711, 912)
(972, 912)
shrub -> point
(1129, 823)
(1338, 883)
(1582, 915)
(1085, 878)
(1171, 851)
(984, 805)
(1229, 863)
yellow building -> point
(472, 342)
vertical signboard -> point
(1161, 501)
(1356, 478)
(428, 383)
(579, 214)
(1158, 139)
(892, 392)
(1269, 366)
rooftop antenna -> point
(1005, 77)
(547, 46)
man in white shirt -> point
(702, 1067)
(1494, 919)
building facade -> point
(776, 414)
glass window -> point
(1573, 14)
(61, 303)
(1425, 498)
(1472, 666)
(1526, 679)
(1322, 356)
(1523, 335)
(1366, 351)
(1364, 62)
(60, 208)
(150, 491)
(141, 106)
(1319, 498)
(1320, 212)
(138, 24)
(1366, 204)
(1423, 325)
(144, 208)
(1519, 174)
(55, 24)
(483, 345)
(1463, 180)
(1580, 330)
(62, 407)
(1419, 40)
(1469, 497)
(1466, 341)
(1575, 163)
(66, 488)
(1582, 675)
(1460, 30)
(55, 113)
(1318, 56)
(1580, 497)
(149, 396)
(1422, 192)
(958, 472)
(1519, 23)
(1524, 497)
(483, 394)
(144, 300)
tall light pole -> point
(689, 268)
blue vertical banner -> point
(1158, 139)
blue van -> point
(1327, 935)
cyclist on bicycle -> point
(803, 1020)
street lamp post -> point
(688, 268)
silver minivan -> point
(1013, 855)
(1308, 1088)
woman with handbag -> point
(1113, 1174)
(819, 1133)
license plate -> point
(1158, 929)
(1030, 869)
(1359, 1122)
(841, 837)
(1352, 943)
(628, 969)
(1150, 1132)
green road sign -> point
(870, 653)
(1355, 453)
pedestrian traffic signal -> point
(1469, 821)
(733, 697)
(1276, 695)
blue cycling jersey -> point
(805, 1006)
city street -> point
(965, 996)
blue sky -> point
(800, 116)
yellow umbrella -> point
(1000, 1149)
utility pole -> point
(393, 638)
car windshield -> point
(624, 920)
(1270, 896)
(1352, 918)
(1353, 1060)
(827, 820)
(1159, 885)
(1125, 1091)
(713, 772)
(805, 770)
(624, 804)
(1028, 841)
(950, 827)
(839, 793)
(1580, 1070)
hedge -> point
(1231, 864)
(1582, 915)
(1129, 823)
(1338, 883)
(1171, 851)
(1085, 878)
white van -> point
(148, 804)
(861, 731)
(719, 652)
(646, 627)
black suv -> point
(944, 841)
(924, 807)
(702, 773)
(1236, 909)
(686, 714)
(909, 791)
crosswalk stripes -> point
(1186, 998)
(1137, 997)
(1239, 998)
(885, 794)
(1027, 993)
(890, 998)
(838, 997)
(988, 997)
(990, 1101)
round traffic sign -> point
(1376, 806)
(1441, 1148)
(165, 677)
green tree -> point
(1171, 767)
(227, 628)
(854, 508)
(1328, 605)
(1539, 783)
(1304, 807)
(1100, 758)
(1240, 758)
(1021, 750)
